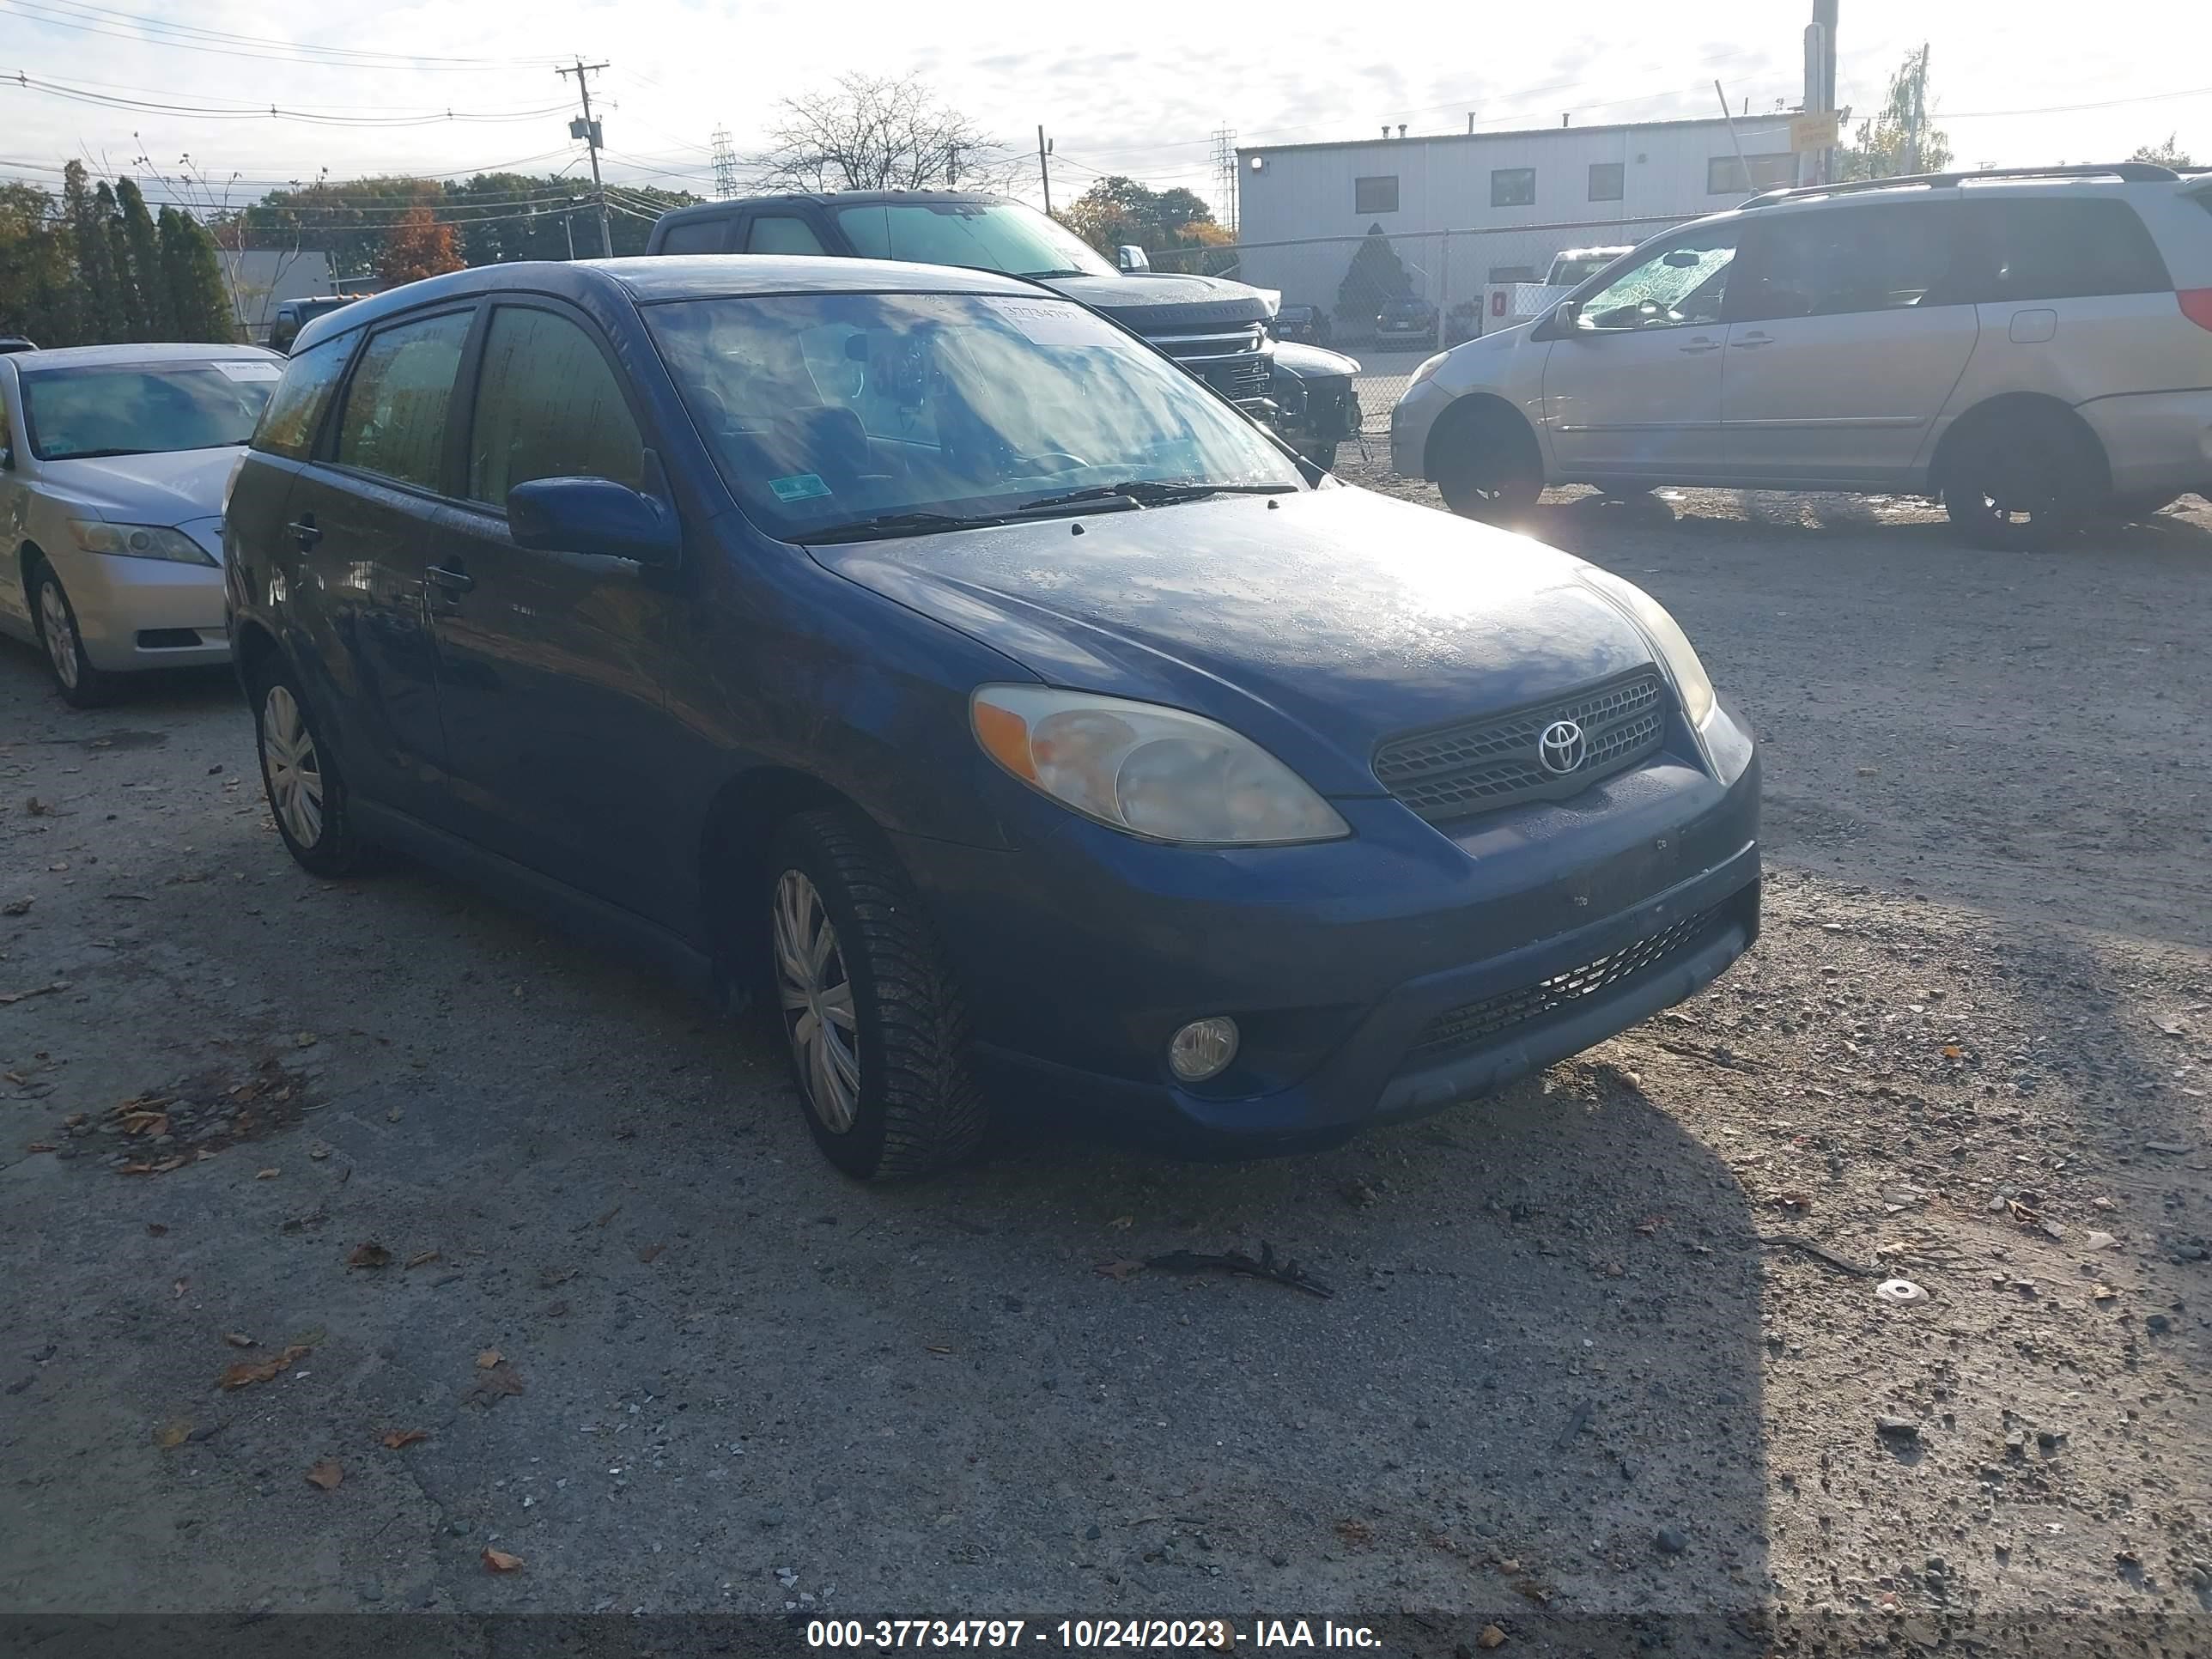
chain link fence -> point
(1390, 301)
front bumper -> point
(1411, 419)
(135, 613)
(1382, 977)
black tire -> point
(323, 841)
(1322, 451)
(913, 1105)
(81, 685)
(2136, 509)
(1487, 465)
(2019, 483)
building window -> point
(1605, 181)
(1724, 174)
(1512, 187)
(1374, 195)
(1513, 273)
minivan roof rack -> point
(2134, 173)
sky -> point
(1137, 88)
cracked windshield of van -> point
(848, 416)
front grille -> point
(1477, 766)
(1472, 1025)
(1233, 360)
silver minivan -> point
(2032, 346)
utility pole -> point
(726, 165)
(588, 130)
(1821, 77)
(1044, 167)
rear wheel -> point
(2019, 483)
(875, 1026)
(307, 791)
(1486, 466)
(81, 685)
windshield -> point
(144, 409)
(827, 410)
(1003, 236)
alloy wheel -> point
(296, 773)
(817, 994)
(61, 632)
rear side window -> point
(1830, 261)
(695, 236)
(296, 408)
(781, 232)
(547, 407)
(2061, 248)
(394, 419)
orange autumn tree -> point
(417, 246)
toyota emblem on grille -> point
(1562, 748)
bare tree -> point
(870, 134)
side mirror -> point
(1567, 316)
(592, 515)
(1131, 258)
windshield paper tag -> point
(249, 370)
(1053, 322)
(800, 487)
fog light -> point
(1202, 1048)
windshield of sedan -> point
(1002, 236)
(827, 412)
(144, 409)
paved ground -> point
(662, 1355)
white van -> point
(2033, 346)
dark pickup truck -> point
(1220, 330)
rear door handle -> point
(304, 531)
(453, 582)
(1699, 345)
(1751, 340)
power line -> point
(238, 113)
(184, 37)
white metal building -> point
(1532, 193)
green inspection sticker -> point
(800, 487)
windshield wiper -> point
(1153, 492)
(894, 524)
(100, 454)
(1046, 275)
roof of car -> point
(644, 281)
(842, 198)
(98, 356)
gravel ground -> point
(1611, 1343)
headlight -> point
(1429, 367)
(1152, 771)
(137, 541)
(1690, 682)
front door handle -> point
(1699, 345)
(304, 531)
(1749, 341)
(453, 582)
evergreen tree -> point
(129, 303)
(204, 309)
(154, 314)
(102, 317)
(1376, 274)
(38, 288)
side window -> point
(781, 232)
(696, 236)
(2056, 248)
(1826, 263)
(547, 407)
(1512, 187)
(1681, 282)
(294, 410)
(393, 422)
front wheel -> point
(1322, 451)
(1486, 466)
(81, 685)
(875, 1025)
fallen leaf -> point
(244, 1373)
(154, 1230)
(176, 1291)
(938, 1348)
(35, 990)
(608, 1217)
(650, 1251)
(548, 1277)
(399, 1437)
(421, 1259)
(267, 1175)
(325, 1474)
(1122, 1223)
(1118, 1270)
(1952, 1051)
(1491, 1636)
(1510, 1565)
(371, 1255)
(2103, 1293)
(500, 1560)
(239, 1340)
(16, 907)
(488, 1359)
(173, 1433)
(166, 1165)
(318, 1151)
(314, 1337)
(1355, 1532)
(40, 1146)
(304, 1040)
(495, 1385)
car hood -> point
(1311, 363)
(174, 489)
(1144, 302)
(1316, 626)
